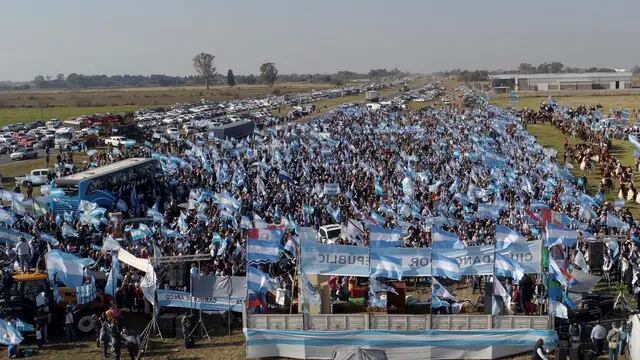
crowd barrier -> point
(402, 337)
(372, 321)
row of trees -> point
(206, 73)
(556, 67)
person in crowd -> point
(575, 331)
(23, 250)
(624, 338)
(131, 341)
(613, 341)
(539, 352)
(598, 334)
(105, 336)
(69, 324)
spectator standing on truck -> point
(69, 331)
(23, 250)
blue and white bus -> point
(103, 184)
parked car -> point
(173, 133)
(37, 177)
(23, 153)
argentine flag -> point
(558, 235)
(444, 266)
(383, 266)
(506, 236)
(507, 267)
(441, 239)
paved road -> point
(6, 159)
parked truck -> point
(37, 177)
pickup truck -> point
(37, 177)
(119, 140)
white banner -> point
(127, 258)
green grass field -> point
(549, 136)
(628, 102)
(13, 115)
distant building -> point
(565, 81)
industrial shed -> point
(568, 81)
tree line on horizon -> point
(553, 67)
(206, 74)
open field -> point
(628, 102)
(26, 106)
(24, 114)
(549, 136)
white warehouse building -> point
(564, 81)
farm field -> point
(628, 102)
(549, 136)
(26, 105)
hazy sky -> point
(157, 36)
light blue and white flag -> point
(558, 235)
(441, 239)
(441, 291)
(68, 231)
(112, 279)
(7, 217)
(500, 292)
(155, 215)
(615, 222)
(9, 335)
(258, 281)
(506, 236)
(66, 267)
(527, 254)
(386, 266)
(444, 266)
(488, 211)
(86, 293)
(558, 310)
(507, 267)
(384, 237)
(310, 295)
(11, 236)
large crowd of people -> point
(392, 168)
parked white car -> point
(37, 177)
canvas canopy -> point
(356, 353)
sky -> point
(300, 36)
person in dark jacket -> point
(538, 352)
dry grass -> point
(26, 106)
(608, 102)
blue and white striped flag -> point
(444, 266)
(508, 267)
(310, 295)
(383, 266)
(488, 211)
(441, 239)
(258, 281)
(615, 222)
(86, 293)
(441, 291)
(114, 274)
(558, 235)
(380, 237)
(506, 236)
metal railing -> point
(370, 321)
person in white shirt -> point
(597, 337)
(24, 254)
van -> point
(330, 234)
